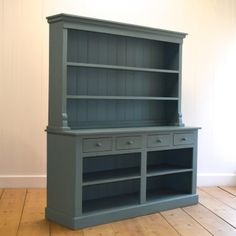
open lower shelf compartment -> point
(169, 186)
(103, 197)
(169, 161)
(114, 181)
(111, 168)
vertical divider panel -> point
(79, 178)
(64, 78)
(180, 121)
(194, 173)
(143, 181)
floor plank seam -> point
(218, 216)
(23, 207)
(226, 191)
(50, 228)
(170, 224)
(219, 199)
(197, 221)
(3, 190)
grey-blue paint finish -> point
(116, 143)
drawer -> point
(97, 144)
(132, 142)
(183, 139)
(159, 140)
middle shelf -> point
(121, 97)
(114, 175)
(116, 67)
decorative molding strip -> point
(216, 179)
(22, 181)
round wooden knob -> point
(98, 144)
(130, 142)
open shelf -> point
(163, 194)
(165, 169)
(107, 203)
(169, 186)
(169, 161)
(106, 82)
(87, 48)
(108, 113)
(113, 67)
(111, 168)
(114, 175)
(107, 196)
(121, 97)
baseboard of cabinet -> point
(111, 215)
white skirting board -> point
(216, 179)
(22, 181)
(39, 181)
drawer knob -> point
(98, 144)
(130, 142)
(183, 139)
(158, 140)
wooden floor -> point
(22, 213)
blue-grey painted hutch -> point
(116, 144)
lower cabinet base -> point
(102, 217)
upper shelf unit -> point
(93, 49)
(110, 75)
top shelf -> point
(114, 67)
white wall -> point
(209, 78)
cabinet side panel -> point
(57, 77)
(61, 172)
(194, 179)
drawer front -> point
(160, 140)
(97, 144)
(183, 139)
(132, 142)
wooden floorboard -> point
(184, 224)
(156, 224)
(1, 191)
(214, 224)
(11, 206)
(218, 207)
(58, 230)
(22, 214)
(32, 220)
(223, 196)
(229, 189)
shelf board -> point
(114, 67)
(165, 170)
(107, 203)
(164, 194)
(121, 97)
(109, 176)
